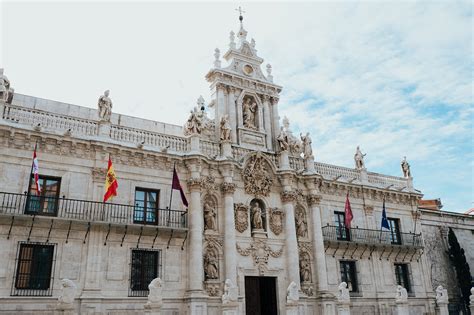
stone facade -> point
(257, 208)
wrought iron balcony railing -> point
(91, 211)
(371, 237)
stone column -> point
(232, 113)
(288, 198)
(228, 189)
(276, 120)
(343, 308)
(194, 143)
(261, 127)
(318, 241)
(267, 122)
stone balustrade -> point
(209, 148)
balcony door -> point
(146, 206)
(44, 202)
(342, 232)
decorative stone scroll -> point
(260, 252)
(257, 177)
(241, 217)
(276, 220)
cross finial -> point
(241, 18)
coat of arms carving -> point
(241, 217)
(276, 220)
(257, 178)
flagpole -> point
(29, 179)
(171, 197)
(380, 236)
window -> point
(145, 267)
(46, 203)
(401, 275)
(348, 275)
(146, 206)
(34, 269)
(395, 237)
(341, 231)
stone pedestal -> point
(401, 308)
(153, 308)
(343, 309)
(231, 308)
(410, 183)
(259, 233)
(226, 149)
(104, 129)
(291, 309)
(197, 308)
(442, 308)
(309, 166)
(363, 175)
(194, 143)
(284, 161)
(65, 309)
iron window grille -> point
(402, 276)
(146, 206)
(34, 274)
(349, 275)
(145, 265)
(46, 202)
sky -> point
(394, 77)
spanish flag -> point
(111, 183)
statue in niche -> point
(359, 159)
(305, 268)
(301, 225)
(211, 264)
(249, 109)
(209, 216)
(225, 128)
(402, 295)
(257, 221)
(307, 149)
(105, 106)
(405, 168)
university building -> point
(265, 230)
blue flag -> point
(384, 217)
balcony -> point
(90, 211)
(335, 234)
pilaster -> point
(267, 121)
(232, 113)
(288, 199)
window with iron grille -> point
(146, 206)
(402, 276)
(394, 230)
(349, 274)
(341, 230)
(145, 266)
(34, 270)
(45, 202)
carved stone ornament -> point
(213, 288)
(276, 220)
(194, 183)
(228, 188)
(288, 196)
(257, 178)
(208, 183)
(313, 199)
(241, 217)
(211, 263)
(260, 252)
(307, 288)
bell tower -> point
(241, 91)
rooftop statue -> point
(6, 91)
(359, 159)
(105, 106)
(405, 168)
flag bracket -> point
(344, 254)
(68, 231)
(31, 228)
(399, 251)
(169, 240)
(87, 232)
(49, 232)
(352, 255)
(107, 235)
(140, 236)
(156, 235)
(363, 252)
(11, 226)
(414, 253)
(184, 241)
(390, 254)
(124, 234)
(381, 255)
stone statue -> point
(249, 108)
(211, 265)
(283, 140)
(402, 295)
(6, 91)
(209, 216)
(301, 226)
(230, 292)
(305, 269)
(257, 222)
(193, 124)
(405, 168)
(471, 298)
(441, 295)
(292, 294)
(359, 159)
(343, 295)
(307, 149)
(155, 296)
(225, 128)
(68, 292)
(105, 106)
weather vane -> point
(241, 18)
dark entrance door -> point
(260, 296)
